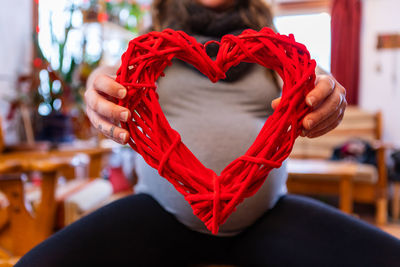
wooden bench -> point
(311, 172)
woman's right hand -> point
(103, 113)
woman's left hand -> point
(328, 99)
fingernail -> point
(121, 93)
(309, 124)
(122, 136)
(124, 116)
(310, 100)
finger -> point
(108, 129)
(325, 86)
(328, 129)
(330, 106)
(275, 102)
(106, 108)
(109, 86)
(331, 120)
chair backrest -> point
(357, 123)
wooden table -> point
(95, 154)
(327, 172)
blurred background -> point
(55, 168)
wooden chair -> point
(311, 172)
(24, 229)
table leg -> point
(346, 194)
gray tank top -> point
(218, 123)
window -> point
(313, 30)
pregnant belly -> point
(216, 143)
(217, 140)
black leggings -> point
(136, 231)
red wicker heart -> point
(213, 198)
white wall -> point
(380, 69)
(15, 53)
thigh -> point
(300, 231)
(134, 230)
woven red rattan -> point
(212, 197)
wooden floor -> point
(393, 229)
(366, 213)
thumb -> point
(275, 102)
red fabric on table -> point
(118, 180)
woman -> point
(157, 226)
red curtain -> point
(345, 55)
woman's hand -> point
(101, 93)
(328, 99)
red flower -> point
(37, 62)
(102, 17)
